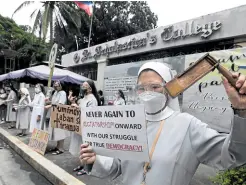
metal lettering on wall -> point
(190, 30)
(117, 47)
(168, 34)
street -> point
(14, 166)
(16, 171)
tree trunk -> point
(51, 26)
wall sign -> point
(190, 30)
(148, 40)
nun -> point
(57, 134)
(23, 112)
(178, 142)
(90, 99)
(37, 108)
(11, 100)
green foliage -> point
(20, 39)
(111, 20)
(51, 13)
(235, 176)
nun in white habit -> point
(11, 100)
(57, 134)
(184, 141)
(23, 112)
(90, 99)
(37, 108)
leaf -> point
(45, 20)
(37, 21)
(26, 3)
(32, 14)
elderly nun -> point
(183, 141)
(37, 108)
(23, 112)
(11, 100)
(57, 134)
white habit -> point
(57, 134)
(76, 139)
(37, 110)
(12, 99)
(184, 143)
(23, 113)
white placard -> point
(116, 131)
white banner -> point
(116, 131)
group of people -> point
(24, 114)
(17, 108)
(178, 142)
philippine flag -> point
(86, 6)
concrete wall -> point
(232, 25)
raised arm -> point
(223, 150)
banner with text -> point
(116, 131)
(66, 117)
(39, 140)
(207, 99)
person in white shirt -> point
(120, 98)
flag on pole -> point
(87, 6)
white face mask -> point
(37, 90)
(153, 101)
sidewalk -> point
(67, 162)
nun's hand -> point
(237, 98)
(87, 156)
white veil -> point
(166, 73)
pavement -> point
(14, 170)
(67, 162)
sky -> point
(169, 12)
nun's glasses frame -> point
(155, 87)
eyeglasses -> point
(149, 87)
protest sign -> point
(66, 117)
(39, 140)
(116, 131)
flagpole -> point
(91, 25)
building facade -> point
(218, 31)
(114, 65)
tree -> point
(20, 39)
(111, 20)
(51, 13)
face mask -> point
(37, 90)
(83, 92)
(153, 101)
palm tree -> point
(53, 13)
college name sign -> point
(168, 34)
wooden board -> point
(190, 76)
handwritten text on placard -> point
(39, 140)
(66, 117)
